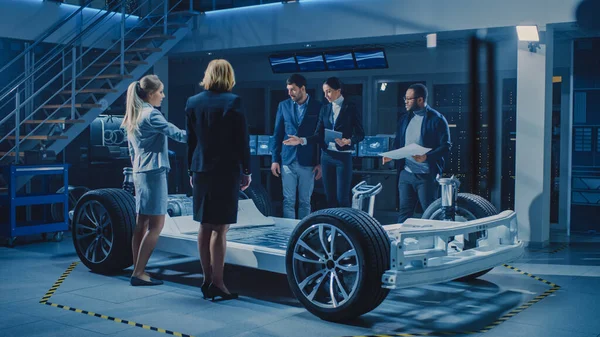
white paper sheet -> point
(407, 151)
(333, 148)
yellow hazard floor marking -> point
(504, 318)
(559, 249)
(46, 300)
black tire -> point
(119, 206)
(470, 207)
(354, 229)
(260, 196)
(75, 193)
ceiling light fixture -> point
(528, 33)
(431, 40)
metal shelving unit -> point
(15, 227)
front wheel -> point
(468, 207)
(335, 260)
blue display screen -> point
(370, 59)
(283, 63)
(372, 146)
(264, 144)
(340, 61)
(253, 144)
(311, 62)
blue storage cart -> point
(11, 200)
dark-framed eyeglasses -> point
(406, 99)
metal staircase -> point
(59, 95)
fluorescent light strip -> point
(75, 7)
(528, 33)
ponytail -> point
(137, 93)
(132, 108)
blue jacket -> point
(435, 135)
(286, 123)
(148, 148)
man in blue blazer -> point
(424, 126)
(298, 166)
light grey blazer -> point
(148, 147)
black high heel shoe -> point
(215, 292)
(205, 290)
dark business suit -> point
(218, 148)
(297, 162)
(286, 123)
(337, 166)
(422, 187)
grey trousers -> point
(301, 179)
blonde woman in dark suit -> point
(219, 166)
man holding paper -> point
(423, 142)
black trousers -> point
(337, 178)
(415, 188)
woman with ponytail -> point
(147, 132)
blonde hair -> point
(219, 76)
(137, 94)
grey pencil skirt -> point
(151, 192)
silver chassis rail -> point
(419, 249)
(420, 253)
(180, 236)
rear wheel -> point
(260, 196)
(335, 260)
(468, 207)
(103, 223)
(75, 193)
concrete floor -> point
(503, 298)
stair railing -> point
(74, 74)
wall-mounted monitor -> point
(283, 63)
(343, 60)
(311, 62)
(370, 59)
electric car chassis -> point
(340, 262)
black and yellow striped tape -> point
(559, 248)
(118, 320)
(530, 275)
(522, 307)
(52, 290)
(554, 251)
(58, 282)
(494, 324)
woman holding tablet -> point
(338, 130)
